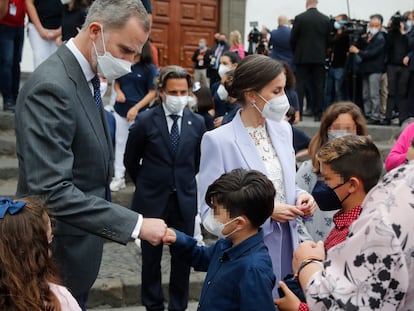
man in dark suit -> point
(309, 39)
(162, 156)
(64, 147)
(280, 42)
(217, 51)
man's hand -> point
(289, 302)
(406, 60)
(353, 49)
(170, 237)
(153, 230)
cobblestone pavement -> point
(119, 280)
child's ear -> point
(354, 184)
(243, 221)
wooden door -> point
(178, 25)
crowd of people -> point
(215, 149)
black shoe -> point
(385, 122)
(373, 122)
(307, 113)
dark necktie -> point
(96, 83)
(175, 134)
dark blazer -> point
(206, 59)
(156, 171)
(310, 37)
(373, 55)
(65, 154)
(280, 42)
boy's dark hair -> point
(242, 192)
(353, 156)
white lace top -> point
(270, 159)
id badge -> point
(12, 9)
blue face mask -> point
(326, 197)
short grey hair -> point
(114, 14)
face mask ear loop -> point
(103, 43)
(255, 106)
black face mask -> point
(326, 197)
(222, 42)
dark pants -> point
(82, 299)
(11, 47)
(407, 105)
(397, 88)
(315, 73)
(152, 295)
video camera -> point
(355, 29)
(396, 21)
(254, 35)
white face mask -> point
(222, 92)
(274, 109)
(336, 134)
(175, 104)
(215, 227)
(222, 70)
(111, 67)
(373, 31)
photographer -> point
(372, 54)
(397, 71)
(335, 90)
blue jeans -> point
(11, 47)
(334, 87)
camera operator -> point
(397, 71)
(371, 50)
(407, 107)
(335, 90)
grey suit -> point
(65, 154)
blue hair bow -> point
(8, 205)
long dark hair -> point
(25, 265)
(253, 74)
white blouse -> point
(270, 159)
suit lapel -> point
(85, 98)
(160, 122)
(186, 128)
(246, 145)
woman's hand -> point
(120, 97)
(285, 212)
(132, 113)
(306, 204)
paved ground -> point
(119, 280)
(192, 306)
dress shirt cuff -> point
(137, 229)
